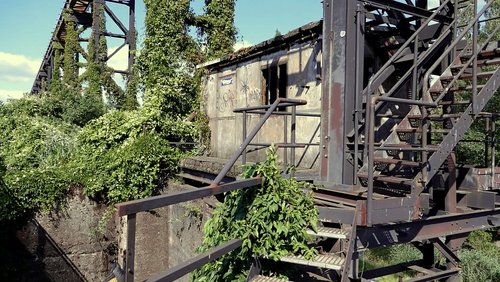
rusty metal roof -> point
(304, 33)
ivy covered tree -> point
(71, 51)
(218, 26)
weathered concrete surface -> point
(241, 84)
(211, 165)
(65, 246)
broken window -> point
(275, 82)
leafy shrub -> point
(479, 265)
(126, 155)
(271, 220)
(35, 151)
(131, 170)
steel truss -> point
(86, 15)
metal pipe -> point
(299, 114)
(425, 130)
(357, 82)
(487, 136)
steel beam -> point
(419, 230)
(404, 8)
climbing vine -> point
(271, 220)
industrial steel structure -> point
(86, 14)
(402, 83)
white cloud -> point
(17, 68)
(241, 44)
(10, 94)
(119, 61)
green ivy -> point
(271, 220)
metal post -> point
(493, 143)
(360, 45)
(474, 63)
(455, 27)
(131, 37)
(285, 141)
(129, 264)
(244, 154)
(371, 156)
(293, 133)
(450, 202)
(487, 141)
(425, 130)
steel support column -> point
(339, 89)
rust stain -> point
(336, 116)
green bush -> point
(271, 220)
(35, 151)
(132, 170)
(479, 265)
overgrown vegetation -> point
(84, 131)
(271, 220)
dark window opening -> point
(275, 82)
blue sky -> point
(26, 27)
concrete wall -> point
(61, 246)
(240, 85)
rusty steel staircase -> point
(404, 157)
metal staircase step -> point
(455, 89)
(467, 76)
(388, 179)
(418, 130)
(483, 54)
(262, 278)
(450, 103)
(195, 178)
(485, 62)
(328, 261)
(327, 232)
(397, 162)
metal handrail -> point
(407, 43)
(455, 43)
(260, 111)
(280, 102)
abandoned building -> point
(287, 66)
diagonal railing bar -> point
(196, 262)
